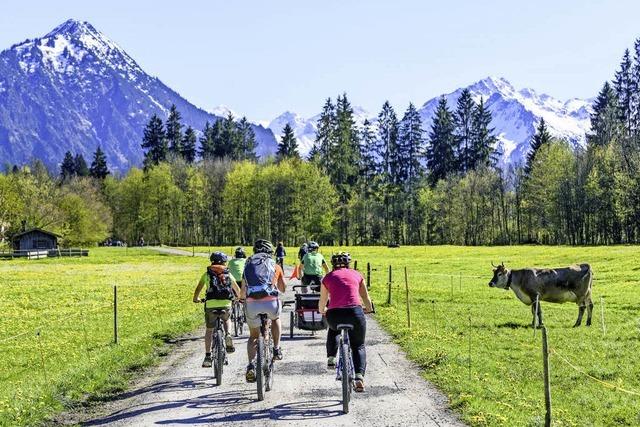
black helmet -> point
(313, 246)
(240, 252)
(218, 257)
(262, 246)
(341, 259)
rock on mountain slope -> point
(515, 116)
(74, 89)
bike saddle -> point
(344, 326)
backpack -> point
(219, 285)
(259, 272)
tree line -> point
(385, 181)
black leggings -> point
(352, 316)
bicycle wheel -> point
(346, 380)
(219, 356)
(237, 325)
(291, 322)
(269, 358)
(260, 368)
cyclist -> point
(280, 254)
(313, 265)
(303, 251)
(345, 291)
(220, 288)
(236, 264)
(262, 283)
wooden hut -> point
(35, 239)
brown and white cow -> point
(557, 285)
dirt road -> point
(180, 392)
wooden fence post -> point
(115, 314)
(389, 285)
(355, 265)
(368, 275)
(547, 384)
(406, 286)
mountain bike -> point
(238, 317)
(344, 367)
(218, 348)
(264, 362)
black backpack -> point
(258, 274)
(219, 285)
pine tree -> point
(605, 121)
(288, 146)
(206, 142)
(229, 141)
(68, 167)
(440, 156)
(483, 141)
(368, 163)
(463, 118)
(387, 149)
(99, 167)
(174, 131)
(80, 165)
(188, 146)
(624, 90)
(155, 142)
(634, 83)
(218, 143)
(325, 136)
(411, 144)
(246, 141)
(540, 138)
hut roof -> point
(36, 229)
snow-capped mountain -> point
(74, 89)
(516, 113)
(305, 129)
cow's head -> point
(500, 277)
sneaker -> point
(277, 353)
(331, 362)
(228, 342)
(358, 384)
(207, 362)
(250, 376)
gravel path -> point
(180, 392)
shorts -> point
(254, 308)
(210, 316)
(311, 280)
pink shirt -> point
(343, 286)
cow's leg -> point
(580, 314)
(539, 314)
(589, 310)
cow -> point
(557, 285)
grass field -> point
(453, 310)
(69, 302)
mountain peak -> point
(73, 27)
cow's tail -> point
(588, 273)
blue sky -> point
(264, 57)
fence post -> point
(406, 286)
(115, 314)
(44, 369)
(355, 265)
(547, 384)
(451, 277)
(368, 275)
(389, 285)
(604, 327)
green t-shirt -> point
(236, 268)
(313, 263)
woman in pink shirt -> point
(345, 291)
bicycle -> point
(218, 348)
(238, 317)
(264, 358)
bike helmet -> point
(240, 252)
(313, 246)
(218, 257)
(262, 246)
(341, 259)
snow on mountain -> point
(516, 114)
(74, 89)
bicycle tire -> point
(220, 356)
(269, 364)
(237, 326)
(291, 323)
(346, 380)
(260, 368)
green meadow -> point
(472, 341)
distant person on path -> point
(345, 291)
(280, 254)
(236, 264)
(303, 251)
(313, 267)
(220, 292)
(262, 283)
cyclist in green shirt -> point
(313, 267)
(236, 264)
